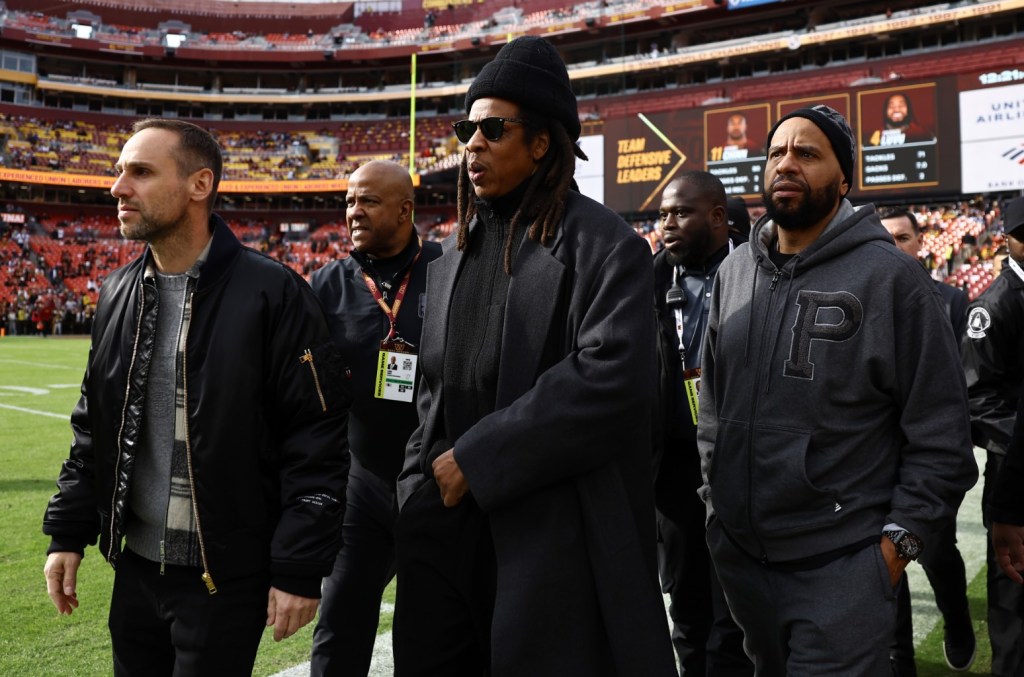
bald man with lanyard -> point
(374, 302)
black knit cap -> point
(1013, 218)
(834, 125)
(529, 71)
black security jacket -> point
(265, 429)
(378, 429)
(992, 360)
(676, 460)
(1006, 503)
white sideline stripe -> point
(382, 664)
(971, 539)
(41, 365)
(63, 417)
(25, 390)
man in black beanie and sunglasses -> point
(833, 431)
(525, 541)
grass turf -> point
(42, 376)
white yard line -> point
(41, 365)
(381, 665)
(63, 417)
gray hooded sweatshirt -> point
(832, 400)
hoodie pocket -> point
(785, 499)
(888, 591)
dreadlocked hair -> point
(543, 204)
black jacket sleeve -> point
(990, 356)
(311, 405)
(1007, 501)
(71, 519)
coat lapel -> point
(533, 296)
(441, 273)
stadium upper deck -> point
(625, 58)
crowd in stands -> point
(436, 28)
(960, 245)
(353, 37)
(51, 268)
(49, 286)
(505, 21)
(77, 147)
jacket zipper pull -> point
(208, 581)
(775, 280)
(163, 558)
(308, 357)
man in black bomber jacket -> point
(210, 437)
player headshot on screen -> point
(898, 124)
(736, 130)
(736, 145)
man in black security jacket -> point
(907, 235)
(210, 434)
(525, 538)
(1005, 508)
(994, 366)
(695, 228)
(942, 561)
(387, 270)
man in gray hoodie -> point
(833, 440)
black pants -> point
(901, 649)
(445, 596)
(944, 566)
(1005, 598)
(170, 625)
(706, 639)
(836, 619)
(350, 608)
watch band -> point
(908, 546)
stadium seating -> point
(68, 254)
(331, 151)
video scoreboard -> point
(957, 134)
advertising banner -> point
(992, 139)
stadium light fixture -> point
(82, 31)
(175, 40)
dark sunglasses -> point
(492, 128)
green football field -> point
(39, 382)
(39, 385)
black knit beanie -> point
(834, 125)
(529, 71)
(1013, 218)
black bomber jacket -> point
(267, 403)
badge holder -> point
(691, 383)
(396, 361)
(396, 371)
